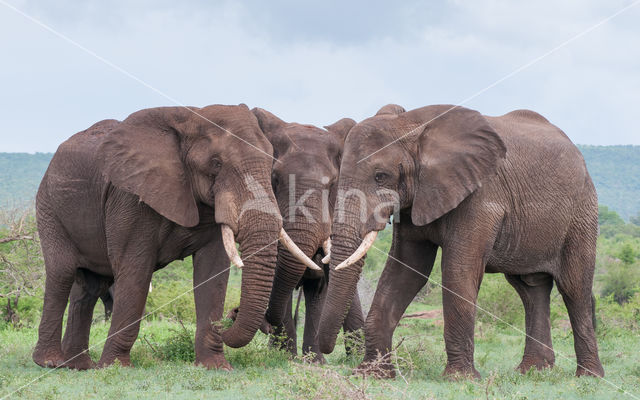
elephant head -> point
(423, 163)
(177, 159)
(305, 183)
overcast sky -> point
(317, 63)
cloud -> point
(319, 64)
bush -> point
(621, 281)
(499, 298)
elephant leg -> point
(314, 296)
(462, 272)
(84, 296)
(107, 301)
(575, 282)
(534, 290)
(61, 261)
(210, 278)
(405, 273)
(353, 323)
(131, 288)
(284, 336)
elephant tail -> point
(295, 315)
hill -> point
(20, 175)
(615, 171)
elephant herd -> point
(508, 194)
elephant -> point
(304, 183)
(508, 194)
(125, 198)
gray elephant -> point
(123, 199)
(508, 194)
(305, 183)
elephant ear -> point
(391, 109)
(341, 128)
(457, 152)
(145, 160)
(269, 123)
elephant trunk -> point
(289, 271)
(309, 235)
(257, 236)
(344, 282)
(258, 225)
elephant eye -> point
(380, 177)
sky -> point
(317, 62)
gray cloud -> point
(318, 64)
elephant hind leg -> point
(534, 291)
(575, 282)
(61, 261)
(86, 290)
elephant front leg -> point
(130, 294)
(352, 326)
(315, 292)
(407, 270)
(210, 278)
(284, 336)
(534, 290)
(462, 273)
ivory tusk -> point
(296, 252)
(229, 242)
(366, 244)
(326, 246)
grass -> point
(261, 372)
(163, 354)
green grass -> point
(163, 353)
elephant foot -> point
(214, 362)
(538, 363)
(379, 369)
(314, 357)
(80, 361)
(48, 358)
(456, 373)
(590, 370)
(105, 362)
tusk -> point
(366, 244)
(326, 246)
(296, 252)
(229, 242)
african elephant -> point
(304, 182)
(123, 199)
(508, 194)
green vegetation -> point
(163, 354)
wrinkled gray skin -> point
(123, 199)
(507, 194)
(313, 156)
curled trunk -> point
(257, 236)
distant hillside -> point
(20, 175)
(615, 171)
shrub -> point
(622, 281)
(499, 298)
